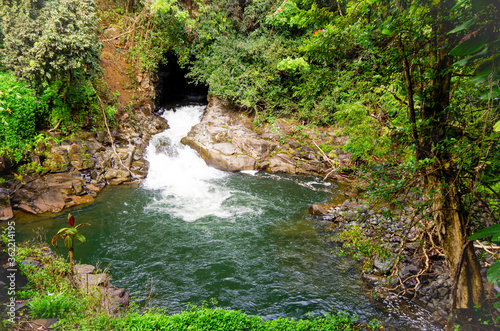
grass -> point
(52, 294)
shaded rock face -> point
(227, 140)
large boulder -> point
(228, 140)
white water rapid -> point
(188, 188)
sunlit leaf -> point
(81, 238)
(496, 127)
(79, 225)
(62, 230)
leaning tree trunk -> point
(450, 222)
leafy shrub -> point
(19, 113)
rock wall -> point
(227, 139)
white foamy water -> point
(188, 187)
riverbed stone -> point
(318, 210)
(84, 269)
(117, 176)
(6, 212)
(52, 200)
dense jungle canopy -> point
(414, 84)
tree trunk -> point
(440, 177)
(453, 237)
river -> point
(190, 233)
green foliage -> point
(492, 232)
(50, 305)
(360, 246)
(218, 319)
(19, 114)
(49, 41)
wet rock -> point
(227, 140)
(117, 176)
(78, 200)
(318, 210)
(6, 212)
(282, 163)
(27, 208)
(80, 157)
(52, 201)
(408, 271)
(383, 265)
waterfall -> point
(188, 188)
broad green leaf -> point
(81, 238)
(496, 127)
(466, 25)
(496, 238)
(471, 58)
(72, 231)
(68, 242)
(486, 232)
(62, 230)
(493, 273)
(386, 32)
(470, 46)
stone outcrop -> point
(5, 207)
(114, 299)
(228, 140)
(73, 171)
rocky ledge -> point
(228, 139)
(72, 171)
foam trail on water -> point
(188, 187)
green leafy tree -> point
(52, 45)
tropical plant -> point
(50, 305)
(69, 235)
(19, 114)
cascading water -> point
(188, 187)
(191, 233)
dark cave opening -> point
(172, 87)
